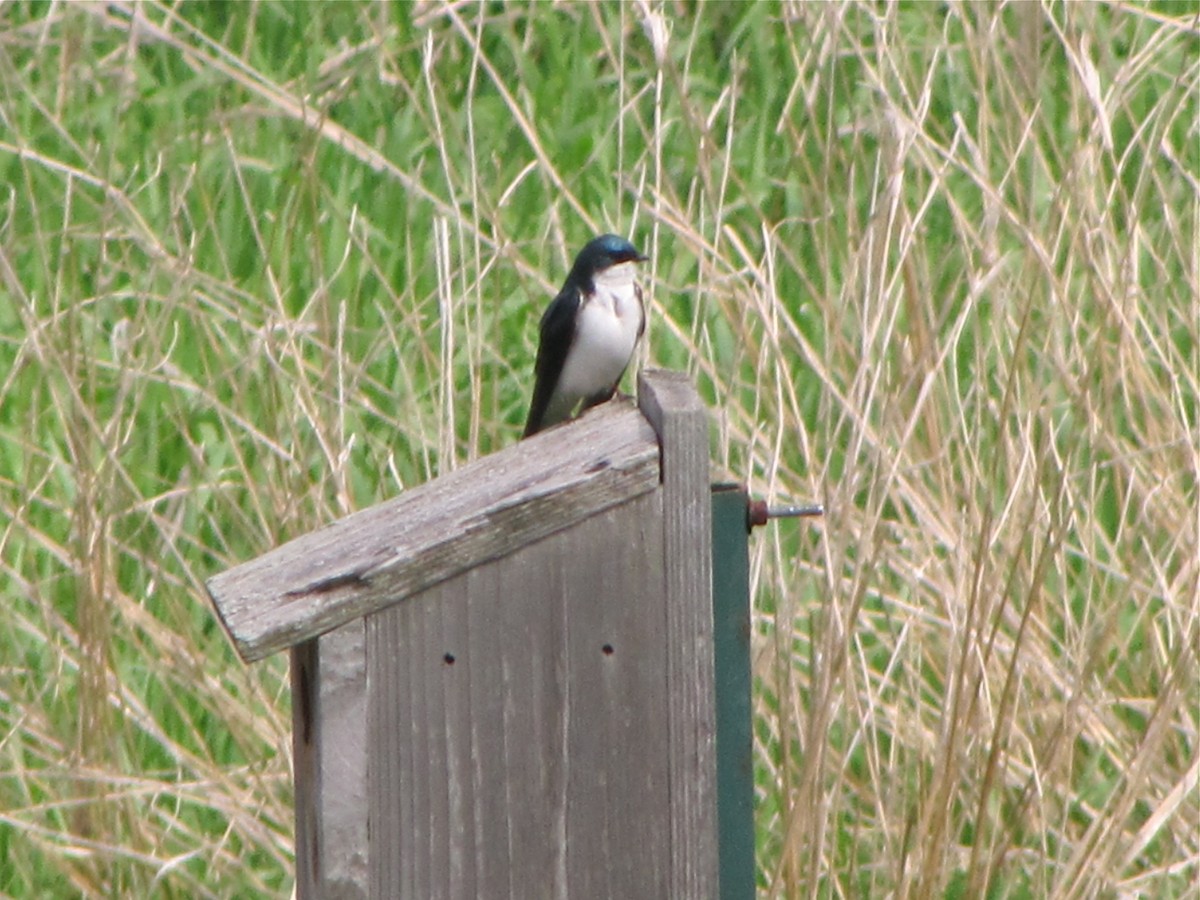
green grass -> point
(934, 265)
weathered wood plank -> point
(329, 742)
(462, 793)
(618, 834)
(399, 793)
(485, 691)
(482, 511)
(525, 816)
(672, 406)
(515, 758)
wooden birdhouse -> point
(503, 680)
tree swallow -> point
(588, 332)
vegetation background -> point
(934, 265)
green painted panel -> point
(731, 639)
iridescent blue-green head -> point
(601, 253)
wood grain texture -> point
(329, 743)
(519, 723)
(671, 404)
(618, 830)
(480, 512)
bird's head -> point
(602, 253)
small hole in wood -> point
(607, 649)
(448, 658)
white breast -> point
(605, 334)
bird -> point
(588, 332)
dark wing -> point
(557, 333)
